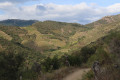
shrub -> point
(9, 65)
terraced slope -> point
(43, 36)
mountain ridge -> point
(104, 21)
(17, 22)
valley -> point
(48, 43)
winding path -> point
(77, 75)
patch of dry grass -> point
(43, 39)
(5, 36)
(1, 48)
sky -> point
(75, 11)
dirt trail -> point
(77, 75)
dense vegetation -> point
(107, 53)
(10, 65)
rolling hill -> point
(42, 36)
(56, 37)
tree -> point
(86, 52)
(9, 65)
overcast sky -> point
(79, 11)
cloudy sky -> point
(79, 11)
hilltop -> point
(105, 21)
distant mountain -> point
(17, 22)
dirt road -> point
(77, 75)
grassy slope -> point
(102, 28)
(52, 34)
(42, 36)
(80, 39)
(5, 36)
(94, 34)
(43, 39)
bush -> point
(9, 65)
(86, 52)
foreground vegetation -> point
(108, 52)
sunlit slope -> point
(41, 40)
(92, 35)
(5, 36)
(80, 39)
(52, 34)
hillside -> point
(41, 36)
(107, 53)
(47, 44)
(17, 22)
(56, 37)
(80, 39)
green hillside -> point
(97, 30)
(107, 53)
(44, 36)
(56, 37)
(47, 44)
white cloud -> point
(114, 8)
(17, 1)
(4, 5)
(81, 13)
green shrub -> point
(9, 65)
